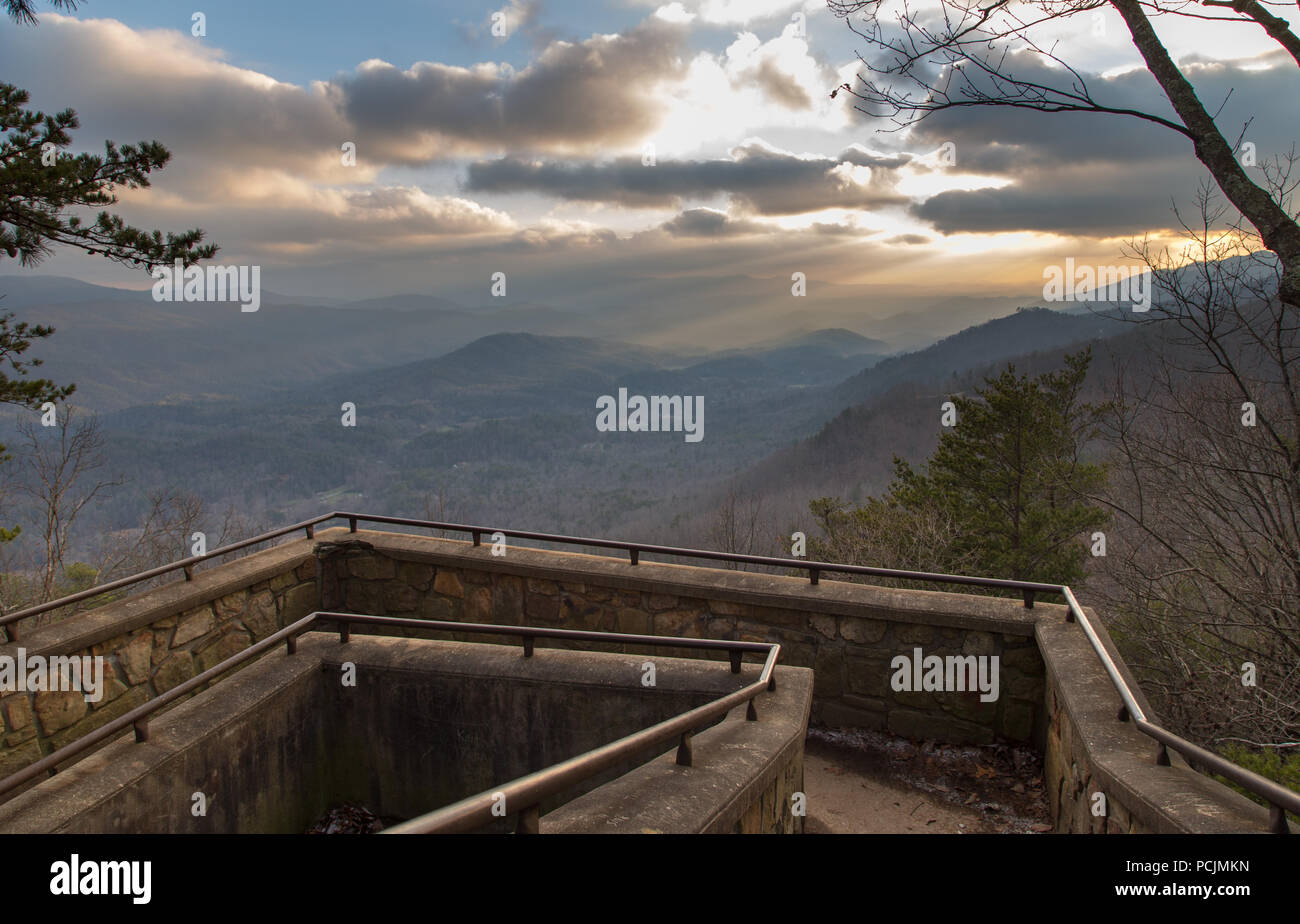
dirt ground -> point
(867, 783)
(860, 782)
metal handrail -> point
(9, 621)
(138, 717)
(1280, 799)
(634, 550)
(536, 786)
(529, 791)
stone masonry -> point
(147, 655)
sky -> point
(598, 149)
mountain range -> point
(496, 426)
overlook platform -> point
(1054, 695)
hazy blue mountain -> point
(505, 425)
(852, 455)
(245, 409)
(122, 348)
(21, 291)
(1026, 331)
(837, 340)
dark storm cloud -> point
(1100, 173)
(574, 96)
(1098, 198)
(708, 223)
(760, 178)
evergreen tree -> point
(24, 11)
(1009, 473)
(39, 183)
(1002, 495)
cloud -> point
(130, 85)
(602, 91)
(757, 176)
(739, 12)
(1099, 174)
(516, 17)
(709, 223)
(407, 209)
(674, 13)
(257, 160)
(781, 87)
(910, 239)
(1101, 199)
(782, 68)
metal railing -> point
(477, 811)
(9, 621)
(523, 797)
(1280, 799)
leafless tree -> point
(59, 481)
(997, 53)
(1203, 562)
(738, 523)
(55, 481)
(163, 535)
(437, 507)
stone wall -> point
(1101, 772)
(1054, 691)
(282, 741)
(152, 642)
(744, 777)
(848, 633)
(773, 812)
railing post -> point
(1122, 715)
(751, 714)
(189, 572)
(528, 646)
(685, 754)
(311, 531)
(11, 631)
(352, 524)
(478, 539)
(735, 660)
(813, 575)
(635, 555)
(1162, 755)
(1277, 819)
(345, 633)
(1029, 599)
(771, 681)
(141, 730)
(529, 821)
(291, 643)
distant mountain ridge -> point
(1026, 331)
(122, 349)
